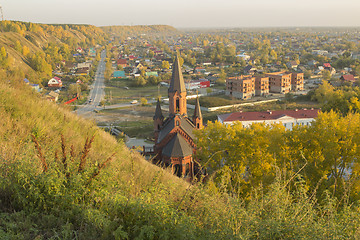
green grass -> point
(139, 129)
(116, 88)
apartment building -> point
(297, 81)
(247, 86)
(242, 87)
(261, 86)
(279, 82)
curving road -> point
(97, 92)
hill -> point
(61, 177)
(23, 44)
(140, 30)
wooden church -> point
(174, 136)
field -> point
(121, 90)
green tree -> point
(326, 75)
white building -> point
(288, 118)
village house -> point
(174, 136)
(122, 63)
(52, 96)
(197, 84)
(55, 82)
(82, 71)
(249, 69)
(289, 118)
(348, 78)
(119, 74)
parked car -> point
(134, 102)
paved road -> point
(97, 92)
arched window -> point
(177, 105)
(187, 169)
(198, 125)
(158, 127)
(177, 123)
(177, 170)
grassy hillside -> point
(21, 41)
(63, 178)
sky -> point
(187, 13)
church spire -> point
(158, 111)
(158, 120)
(177, 81)
(197, 117)
(177, 91)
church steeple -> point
(197, 117)
(158, 119)
(177, 91)
(177, 81)
(158, 111)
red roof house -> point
(348, 78)
(288, 118)
(55, 82)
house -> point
(249, 69)
(327, 66)
(35, 87)
(206, 63)
(348, 78)
(292, 64)
(92, 52)
(119, 74)
(139, 66)
(52, 96)
(174, 136)
(196, 84)
(84, 65)
(151, 74)
(199, 70)
(289, 118)
(243, 57)
(55, 82)
(312, 63)
(122, 62)
(82, 71)
(79, 50)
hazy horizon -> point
(188, 14)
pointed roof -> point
(177, 80)
(185, 125)
(158, 112)
(177, 147)
(197, 112)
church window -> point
(187, 169)
(177, 170)
(177, 123)
(198, 125)
(177, 105)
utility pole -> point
(1, 12)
